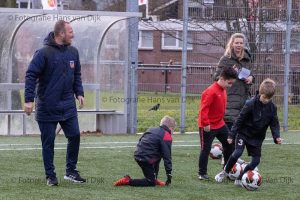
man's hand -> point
(80, 101)
(28, 107)
(169, 178)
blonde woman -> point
(238, 57)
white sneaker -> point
(220, 176)
(238, 183)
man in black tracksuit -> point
(250, 129)
(154, 144)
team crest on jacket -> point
(72, 65)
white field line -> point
(96, 143)
(90, 143)
(118, 147)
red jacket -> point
(212, 107)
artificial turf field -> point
(104, 159)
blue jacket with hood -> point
(56, 71)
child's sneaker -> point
(52, 181)
(203, 177)
(220, 176)
(123, 181)
(159, 182)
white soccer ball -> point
(251, 180)
(244, 165)
(216, 151)
(235, 172)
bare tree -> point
(250, 17)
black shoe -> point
(203, 177)
(52, 181)
(74, 177)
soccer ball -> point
(244, 165)
(235, 172)
(216, 151)
(251, 180)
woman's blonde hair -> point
(229, 47)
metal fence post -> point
(287, 65)
(132, 6)
(183, 70)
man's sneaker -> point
(238, 183)
(74, 177)
(203, 177)
(159, 182)
(220, 176)
(123, 181)
(52, 181)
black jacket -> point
(254, 120)
(155, 144)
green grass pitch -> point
(104, 159)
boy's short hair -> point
(228, 72)
(267, 88)
(168, 121)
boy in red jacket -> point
(211, 118)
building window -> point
(145, 39)
(172, 40)
(23, 4)
(208, 2)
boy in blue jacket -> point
(250, 129)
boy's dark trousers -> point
(72, 133)
(254, 150)
(150, 172)
(206, 140)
